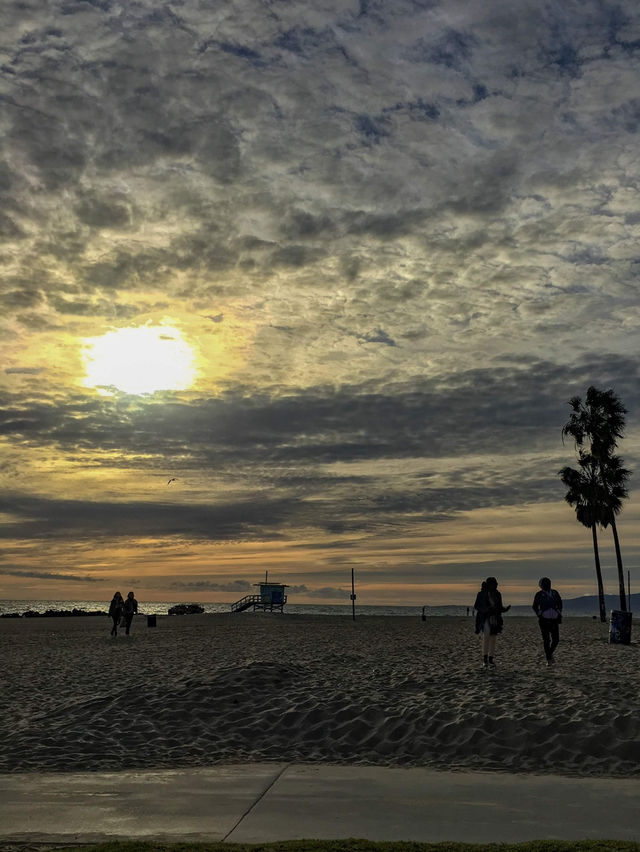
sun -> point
(140, 360)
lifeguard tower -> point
(272, 598)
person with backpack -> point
(130, 608)
(116, 608)
(489, 621)
(547, 605)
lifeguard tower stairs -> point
(272, 598)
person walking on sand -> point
(130, 608)
(479, 616)
(547, 605)
(489, 619)
(115, 612)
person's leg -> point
(488, 645)
(486, 642)
(491, 648)
(546, 638)
(554, 632)
(129, 619)
(114, 629)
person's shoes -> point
(492, 665)
(551, 661)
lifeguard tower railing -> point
(271, 598)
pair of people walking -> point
(547, 605)
(122, 612)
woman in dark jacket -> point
(489, 621)
(115, 611)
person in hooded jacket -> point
(489, 619)
(547, 605)
(130, 608)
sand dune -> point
(199, 690)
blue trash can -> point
(620, 628)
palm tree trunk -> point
(603, 611)
(616, 541)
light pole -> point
(353, 596)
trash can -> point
(151, 621)
(620, 628)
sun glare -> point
(140, 360)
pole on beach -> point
(353, 596)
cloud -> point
(471, 411)
(237, 586)
(48, 575)
(318, 460)
(39, 517)
(329, 592)
(379, 336)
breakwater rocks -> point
(186, 609)
(51, 613)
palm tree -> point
(596, 425)
(585, 494)
(614, 478)
(598, 421)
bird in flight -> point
(173, 479)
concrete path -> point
(262, 802)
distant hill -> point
(586, 605)
(589, 604)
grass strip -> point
(347, 845)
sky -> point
(302, 288)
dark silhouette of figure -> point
(489, 619)
(116, 608)
(130, 608)
(547, 605)
(479, 616)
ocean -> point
(160, 608)
(586, 606)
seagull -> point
(173, 479)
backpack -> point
(549, 606)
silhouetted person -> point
(547, 605)
(479, 616)
(130, 608)
(116, 608)
(489, 618)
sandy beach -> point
(208, 689)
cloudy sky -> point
(335, 269)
